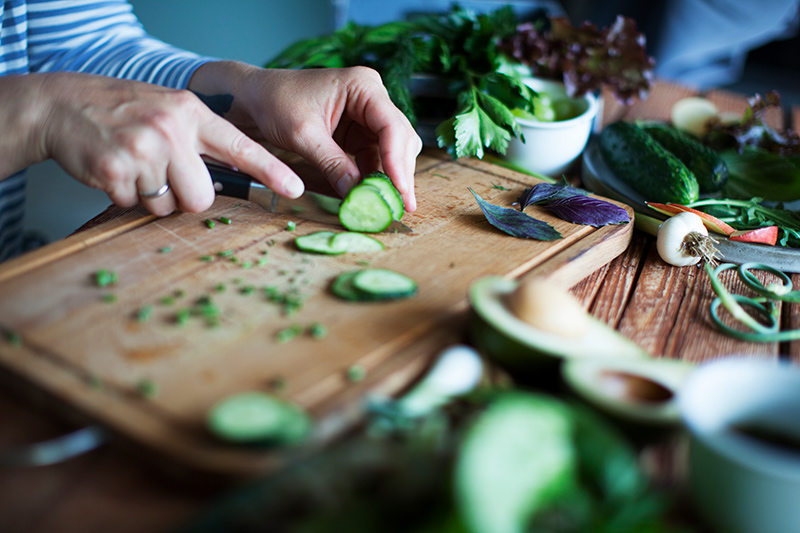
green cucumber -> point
(384, 284)
(331, 243)
(706, 164)
(373, 284)
(318, 242)
(388, 191)
(649, 168)
(365, 210)
(354, 242)
(253, 416)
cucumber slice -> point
(343, 286)
(390, 194)
(353, 242)
(319, 243)
(365, 210)
(384, 284)
(254, 416)
(373, 284)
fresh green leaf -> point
(757, 172)
(516, 223)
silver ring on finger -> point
(164, 189)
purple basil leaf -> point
(546, 191)
(516, 223)
(580, 209)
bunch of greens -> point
(586, 57)
(464, 49)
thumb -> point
(340, 171)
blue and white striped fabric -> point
(92, 36)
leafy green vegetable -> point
(516, 223)
(573, 205)
(751, 214)
(756, 172)
(585, 57)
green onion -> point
(225, 220)
(318, 331)
(206, 258)
(291, 226)
(210, 223)
(287, 334)
(145, 313)
(104, 277)
(165, 249)
(147, 388)
(356, 373)
(225, 253)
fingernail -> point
(294, 187)
(343, 185)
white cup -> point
(741, 483)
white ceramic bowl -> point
(551, 147)
(742, 484)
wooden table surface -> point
(664, 309)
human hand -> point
(323, 115)
(130, 138)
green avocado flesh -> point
(519, 346)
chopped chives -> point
(210, 223)
(165, 249)
(225, 220)
(247, 264)
(206, 258)
(225, 253)
(356, 373)
(219, 287)
(145, 313)
(147, 388)
(182, 317)
(291, 226)
(318, 331)
(105, 277)
(288, 334)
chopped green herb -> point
(247, 290)
(109, 298)
(165, 249)
(167, 300)
(13, 338)
(96, 382)
(263, 261)
(145, 313)
(499, 187)
(147, 388)
(180, 293)
(356, 373)
(287, 334)
(104, 277)
(278, 383)
(318, 331)
(272, 242)
(225, 220)
(206, 258)
(291, 226)
(219, 287)
(225, 253)
(233, 259)
(363, 263)
(247, 264)
(210, 223)
(182, 317)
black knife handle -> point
(229, 182)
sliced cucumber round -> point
(318, 242)
(255, 416)
(343, 287)
(373, 284)
(365, 210)
(384, 284)
(354, 242)
(390, 194)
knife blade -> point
(310, 206)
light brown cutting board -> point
(90, 356)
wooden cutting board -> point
(90, 357)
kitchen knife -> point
(310, 206)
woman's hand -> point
(128, 139)
(322, 115)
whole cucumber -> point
(706, 164)
(649, 168)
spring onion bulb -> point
(683, 240)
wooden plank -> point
(73, 339)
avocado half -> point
(521, 348)
(635, 393)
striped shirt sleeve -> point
(103, 37)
